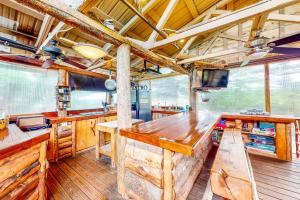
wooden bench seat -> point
(231, 173)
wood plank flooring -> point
(86, 178)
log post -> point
(267, 88)
(192, 96)
(123, 109)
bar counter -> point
(23, 163)
(164, 157)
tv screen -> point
(215, 78)
(86, 83)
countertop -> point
(13, 139)
(78, 117)
(183, 132)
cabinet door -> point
(85, 134)
(283, 141)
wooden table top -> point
(180, 132)
(114, 124)
(13, 139)
(54, 120)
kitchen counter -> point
(79, 117)
(23, 163)
(13, 139)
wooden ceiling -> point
(32, 28)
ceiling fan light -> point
(89, 50)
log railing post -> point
(123, 109)
(267, 88)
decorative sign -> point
(137, 86)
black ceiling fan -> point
(52, 50)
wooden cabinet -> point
(85, 134)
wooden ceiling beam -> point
(192, 7)
(87, 5)
(23, 9)
(258, 24)
(212, 55)
(133, 21)
(234, 17)
(284, 18)
(204, 16)
(78, 20)
(163, 20)
(103, 16)
(45, 29)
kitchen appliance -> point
(141, 101)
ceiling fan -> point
(52, 50)
(260, 46)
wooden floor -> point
(86, 178)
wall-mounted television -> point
(215, 78)
(86, 83)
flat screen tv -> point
(86, 83)
(215, 78)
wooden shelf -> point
(261, 152)
(105, 150)
(250, 133)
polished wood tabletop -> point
(13, 139)
(179, 133)
(78, 117)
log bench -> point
(231, 173)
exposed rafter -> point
(192, 7)
(23, 9)
(133, 21)
(45, 28)
(212, 55)
(284, 18)
(84, 23)
(164, 18)
(228, 19)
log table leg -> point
(113, 148)
(97, 143)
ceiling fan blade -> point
(286, 50)
(47, 64)
(245, 62)
(71, 62)
(286, 40)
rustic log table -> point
(110, 148)
(23, 163)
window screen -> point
(25, 90)
(245, 91)
(285, 88)
(170, 91)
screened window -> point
(245, 91)
(26, 90)
(170, 91)
(81, 99)
(285, 88)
